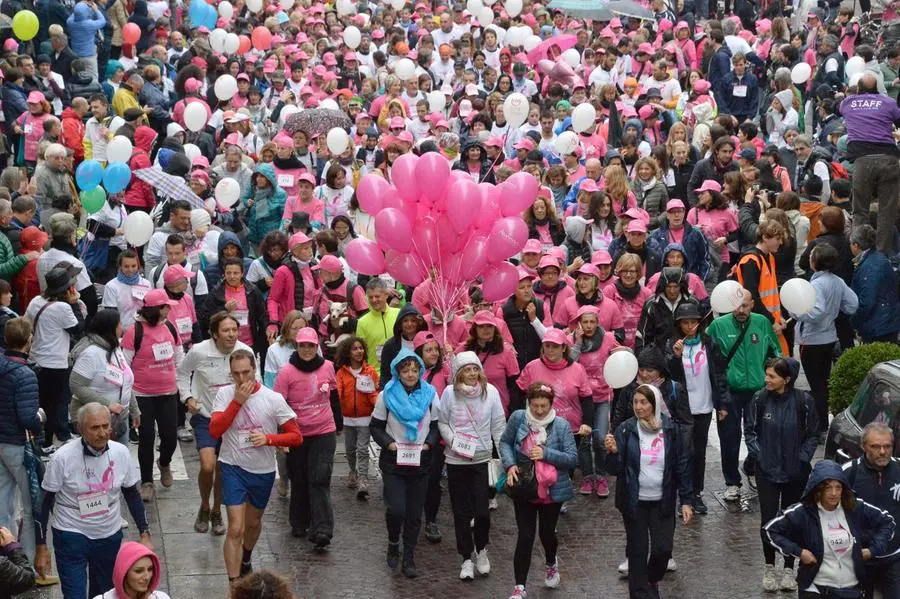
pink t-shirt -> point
(569, 384)
(593, 363)
(714, 224)
(630, 310)
(182, 315)
(154, 363)
(309, 395)
(610, 317)
(241, 312)
(554, 313)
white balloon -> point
(800, 73)
(531, 42)
(287, 111)
(436, 101)
(726, 297)
(516, 36)
(798, 296)
(474, 6)
(191, 151)
(513, 7)
(119, 149)
(337, 141)
(217, 40)
(566, 143)
(329, 104)
(254, 5)
(286, 4)
(583, 117)
(115, 123)
(405, 69)
(854, 79)
(572, 57)
(516, 108)
(855, 65)
(486, 16)
(398, 4)
(620, 369)
(195, 116)
(226, 10)
(138, 228)
(225, 87)
(345, 7)
(232, 43)
(228, 191)
(352, 37)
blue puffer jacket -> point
(695, 253)
(18, 402)
(83, 25)
(799, 527)
(559, 450)
(875, 285)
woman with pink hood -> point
(136, 574)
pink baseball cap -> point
(471, 89)
(329, 263)
(35, 97)
(557, 337)
(158, 297)
(307, 335)
(177, 272)
(548, 262)
(298, 239)
(306, 177)
(601, 257)
(634, 213)
(329, 59)
(350, 56)
(483, 317)
(645, 48)
(397, 122)
(526, 143)
(465, 108)
(524, 274)
(674, 204)
(493, 142)
(423, 337)
(588, 269)
(533, 246)
(708, 185)
(647, 111)
(636, 226)
(406, 136)
(588, 185)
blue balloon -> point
(89, 174)
(116, 177)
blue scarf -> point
(132, 280)
(409, 407)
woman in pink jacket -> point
(307, 382)
(628, 294)
(30, 125)
(684, 40)
(288, 169)
(295, 286)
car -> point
(876, 400)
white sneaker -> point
(788, 580)
(482, 564)
(551, 580)
(732, 493)
(124, 523)
(623, 569)
(770, 582)
(671, 566)
(492, 504)
(518, 592)
(467, 571)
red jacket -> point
(73, 133)
(139, 194)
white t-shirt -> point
(50, 347)
(79, 479)
(263, 412)
(51, 258)
(695, 359)
(113, 379)
(127, 299)
(653, 463)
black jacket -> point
(525, 338)
(16, 574)
(877, 487)
(838, 241)
(673, 393)
(393, 345)
(258, 317)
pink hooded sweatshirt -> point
(129, 553)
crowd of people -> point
(755, 143)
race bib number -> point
(464, 444)
(28, 128)
(740, 91)
(184, 325)
(138, 292)
(114, 375)
(285, 180)
(93, 504)
(163, 351)
(365, 384)
(243, 317)
(409, 454)
(307, 314)
(244, 440)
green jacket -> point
(10, 262)
(375, 328)
(890, 74)
(747, 368)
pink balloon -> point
(490, 210)
(474, 257)
(466, 204)
(451, 267)
(393, 229)
(432, 171)
(448, 239)
(261, 38)
(403, 267)
(507, 238)
(393, 201)
(517, 193)
(364, 257)
(403, 174)
(371, 192)
(425, 241)
(500, 282)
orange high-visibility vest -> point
(768, 288)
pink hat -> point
(269, 65)
(203, 29)
(701, 86)
(306, 91)
(524, 274)
(682, 25)
(319, 70)
(674, 204)
(601, 257)
(708, 185)
(233, 139)
(35, 97)
(10, 45)
(588, 185)
(301, 55)
(406, 136)
(665, 25)
(645, 48)
(350, 56)
(362, 116)
(547, 262)
(616, 22)
(298, 239)
(199, 175)
(441, 123)
(526, 143)
(471, 89)
(532, 246)
(329, 59)
(307, 178)
(589, 309)
(557, 337)
(483, 317)
(329, 263)
(176, 272)
(397, 122)
(588, 269)
(283, 140)
(158, 297)
(192, 85)
(330, 76)
(634, 213)
(636, 226)
(307, 335)
(763, 25)
(423, 337)
(647, 111)
(243, 77)
(493, 142)
(465, 108)
(201, 161)
(557, 252)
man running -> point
(246, 416)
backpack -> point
(139, 334)
(158, 271)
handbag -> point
(526, 487)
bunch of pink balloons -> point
(438, 222)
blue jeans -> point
(730, 436)
(85, 565)
(14, 479)
(592, 456)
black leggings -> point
(772, 497)
(54, 396)
(404, 497)
(700, 439)
(816, 361)
(468, 488)
(527, 515)
(433, 494)
(161, 411)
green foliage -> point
(852, 367)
